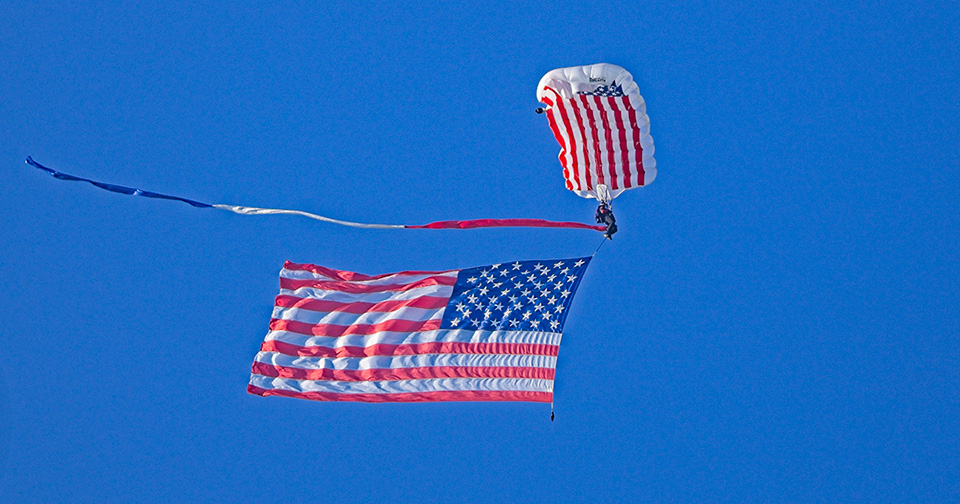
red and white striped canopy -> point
(598, 116)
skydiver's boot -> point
(611, 230)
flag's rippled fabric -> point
(481, 334)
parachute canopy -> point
(598, 116)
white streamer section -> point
(245, 210)
(404, 386)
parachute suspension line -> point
(603, 194)
(602, 241)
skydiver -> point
(604, 215)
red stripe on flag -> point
(563, 147)
(438, 347)
(572, 150)
(585, 148)
(353, 288)
(341, 330)
(460, 395)
(608, 139)
(597, 162)
(546, 99)
(320, 305)
(419, 373)
(622, 134)
(638, 150)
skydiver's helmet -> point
(602, 211)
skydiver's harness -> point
(605, 216)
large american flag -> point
(489, 333)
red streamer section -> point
(489, 223)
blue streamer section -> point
(115, 188)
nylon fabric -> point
(599, 119)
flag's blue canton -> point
(519, 296)
(612, 90)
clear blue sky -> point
(777, 320)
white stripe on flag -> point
(396, 278)
(406, 338)
(626, 145)
(369, 297)
(602, 129)
(402, 386)
(408, 361)
(342, 318)
(582, 172)
(586, 150)
(616, 147)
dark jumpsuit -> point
(605, 216)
